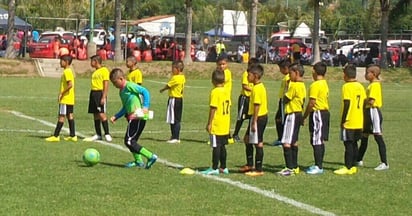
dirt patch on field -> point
(12, 67)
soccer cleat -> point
(53, 139)
(246, 168)
(108, 137)
(382, 166)
(359, 163)
(231, 140)
(313, 170)
(236, 138)
(345, 171)
(224, 171)
(73, 139)
(276, 143)
(93, 138)
(286, 172)
(210, 171)
(151, 161)
(296, 170)
(173, 141)
(139, 164)
(254, 173)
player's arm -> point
(212, 112)
(166, 87)
(146, 96)
(255, 116)
(370, 101)
(67, 89)
(309, 107)
(345, 111)
(119, 114)
(105, 90)
(246, 87)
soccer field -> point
(41, 178)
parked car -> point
(344, 45)
(44, 47)
(99, 36)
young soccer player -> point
(134, 75)
(222, 65)
(317, 110)
(280, 114)
(218, 124)
(373, 117)
(98, 99)
(353, 97)
(175, 86)
(66, 101)
(134, 109)
(243, 101)
(294, 100)
(258, 111)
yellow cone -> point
(187, 171)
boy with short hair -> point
(134, 75)
(222, 64)
(353, 97)
(175, 86)
(98, 99)
(294, 100)
(317, 110)
(218, 124)
(280, 114)
(66, 101)
(243, 101)
(134, 109)
(258, 111)
(373, 117)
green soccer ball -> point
(91, 157)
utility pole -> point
(91, 46)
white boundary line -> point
(266, 193)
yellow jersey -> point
(284, 85)
(245, 81)
(374, 91)
(353, 92)
(135, 76)
(296, 95)
(220, 99)
(228, 80)
(68, 97)
(98, 76)
(258, 96)
(319, 91)
(176, 85)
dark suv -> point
(234, 42)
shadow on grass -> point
(82, 164)
(181, 140)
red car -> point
(285, 46)
(44, 47)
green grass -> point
(39, 178)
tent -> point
(220, 33)
(18, 23)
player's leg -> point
(367, 129)
(104, 121)
(377, 130)
(241, 107)
(261, 126)
(216, 151)
(287, 140)
(249, 153)
(59, 124)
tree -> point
(385, 6)
(315, 32)
(10, 30)
(189, 14)
(253, 21)
(118, 19)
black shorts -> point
(257, 137)
(94, 102)
(351, 134)
(218, 140)
(243, 107)
(319, 126)
(65, 109)
(293, 122)
(174, 110)
(372, 121)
